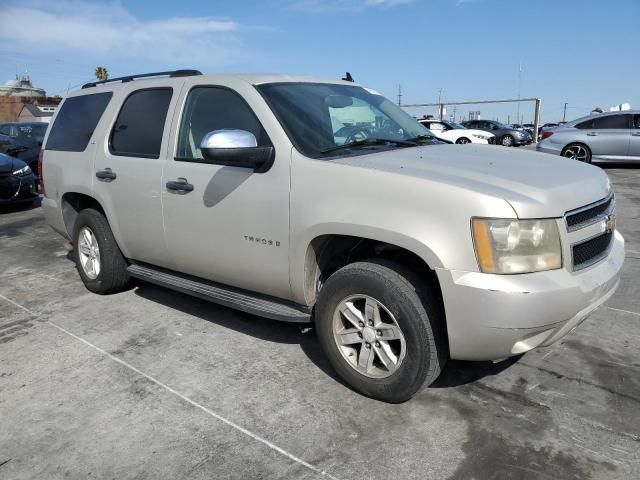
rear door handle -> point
(636, 134)
(106, 175)
(180, 186)
(592, 134)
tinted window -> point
(612, 121)
(140, 124)
(76, 121)
(636, 121)
(213, 108)
(587, 124)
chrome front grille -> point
(598, 221)
(589, 214)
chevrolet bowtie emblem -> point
(610, 223)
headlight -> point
(482, 137)
(23, 172)
(516, 246)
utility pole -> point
(399, 94)
(519, 88)
(440, 104)
(564, 112)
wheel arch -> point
(326, 253)
(72, 203)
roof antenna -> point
(348, 78)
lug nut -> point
(371, 323)
(368, 345)
(359, 335)
(361, 324)
(379, 333)
(378, 344)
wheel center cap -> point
(369, 334)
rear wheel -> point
(463, 140)
(507, 141)
(99, 261)
(577, 151)
(381, 329)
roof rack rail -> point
(129, 78)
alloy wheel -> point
(576, 152)
(89, 253)
(368, 336)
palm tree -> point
(102, 74)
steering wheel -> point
(359, 133)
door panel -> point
(133, 155)
(634, 145)
(233, 226)
(609, 136)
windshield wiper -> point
(369, 142)
(419, 138)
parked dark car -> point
(25, 141)
(504, 135)
(17, 181)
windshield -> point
(456, 126)
(319, 117)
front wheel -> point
(381, 329)
(507, 141)
(463, 140)
(577, 151)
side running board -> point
(254, 303)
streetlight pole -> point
(440, 104)
(564, 112)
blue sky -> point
(581, 52)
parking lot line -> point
(183, 397)
(624, 311)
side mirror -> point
(236, 148)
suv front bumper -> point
(490, 317)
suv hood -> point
(536, 185)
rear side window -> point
(140, 124)
(612, 121)
(76, 121)
(586, 125)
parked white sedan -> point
(456, 133)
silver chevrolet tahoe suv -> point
(312, 200)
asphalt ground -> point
(151, 383)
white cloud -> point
(109, 29)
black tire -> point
(576, 145)
(463, 140)
(113, 276)
(507, 140)
(418, 314)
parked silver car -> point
(608, 137)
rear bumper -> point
(490, 317)
(546, 147)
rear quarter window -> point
(76, 121)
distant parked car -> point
(609, 137)
(529, 128)
(25, 141)
(504, 135)
(456, 133)
(17, 181)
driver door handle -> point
(592, 134)
(636, 134)
(181, 185)
(106, 175)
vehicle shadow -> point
(20, 207)
(456, 373)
